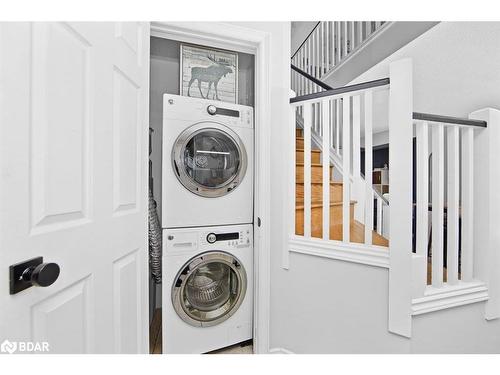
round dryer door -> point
(209, 159)
(209, 289)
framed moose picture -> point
(209, 73)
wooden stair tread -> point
(312, 150)
(356, 229)
(359, 231)
(312, 164)
(356, 234)
(332, 183)
(316, 204)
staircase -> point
(357, 229)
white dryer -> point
(207, 288)
(207, 162)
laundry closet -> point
(202, 180)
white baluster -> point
(337, 127)
(368, 101)
(313, 57)
(346, 168)
(357, 191)
(308, 65)
(345, 27)
(332, 122)
(322, 49)
(379, 215)
(352, 38)
(307, 169)
(326, 170)
(452, 216)
(437, 204)
(318, 55)
(327, 46)
(360, 33)
(467, 204)
(339, 42)
(422, 209)
(300, 75)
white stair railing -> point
(307, 85)
(330, 44)
(459, 189)
(332, 114)
(445, 200)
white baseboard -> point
(280, 351)
(449, 296)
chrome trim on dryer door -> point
(179, 162)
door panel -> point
(126, 131)
(63, 319)
(73, 167)
(129, 33)
(126, 273)
(60, 108)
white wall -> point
(328, 306)
(458, 330)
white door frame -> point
(242, 39)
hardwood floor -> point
(155, 333)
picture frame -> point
(208, 73)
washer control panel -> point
(229, 237)
(241, 237)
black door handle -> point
(32, 272)
(44, 274)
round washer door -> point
(209, 289)
(209, 159)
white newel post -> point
(400, 175)
(487, 207)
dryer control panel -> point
(193, 109)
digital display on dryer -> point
(227, 236)
(227, 112)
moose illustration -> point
(211, 74)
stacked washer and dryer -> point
(207, 218)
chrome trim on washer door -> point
(209, 289)
(180, 168)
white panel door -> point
(73, 183)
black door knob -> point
(44, 274)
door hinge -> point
(259, 222)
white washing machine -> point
(207, 299)
(207, 162)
